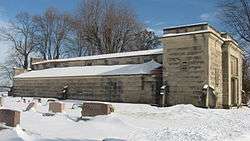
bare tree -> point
(6, 74)
(246, 78)
(62, 28)
(89, 21)
(145, 40)
(20, 33)
(53, 28)
(45, 25)
(75, 45)
(109, 26)
(236, 15)
(7, 71)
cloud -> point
(210, 17)
(155, 26)
(159, 23)
(147, 21)
(154, 23)
(158, 32)
(205, 16)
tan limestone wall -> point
(215, 67)
(134, 88)
(186, 78)
(230, 51)
(235, 52)
(225, 69)
(186, 68)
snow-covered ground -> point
(135, 122)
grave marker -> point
(9, 117)
(94, 109)
(56, 107)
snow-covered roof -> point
(101, 70)
(105, 56)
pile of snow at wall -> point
(132, 122)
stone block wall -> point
(231, 51)
(186, 68)
(225, 74)
(215, 68)
(131, 88)
(197, 55)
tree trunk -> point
(57, 51)
(25, 63)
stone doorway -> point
(234, 91)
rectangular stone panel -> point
(9, 117)
(56, 107)
(95, 109)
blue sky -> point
(158, 14)
(155, 14)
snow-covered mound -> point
(14, 134)
(133, 122)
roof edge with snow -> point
(106, 56)
(100, 70)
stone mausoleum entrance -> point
(198, 55)
(234, 91)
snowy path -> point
(135, 122)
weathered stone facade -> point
(232, 74)
(201, 66)
(196, 56)
(134, 88)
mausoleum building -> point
(198, 65)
